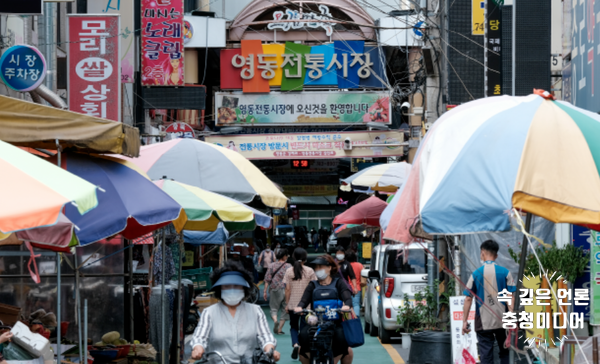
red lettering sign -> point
(94, 65)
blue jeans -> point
(356, 304)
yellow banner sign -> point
(356, 144)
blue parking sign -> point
(22, 68)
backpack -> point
(271, 257)
(327, 297)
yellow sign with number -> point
(478, 17)
(366, 250)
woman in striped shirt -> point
(232, 327)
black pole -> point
(522, 262)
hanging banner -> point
(94, 78)
(493, 49)
(162, 43)
(125, 9)
(277, 108)
(312, 145)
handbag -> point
(353, 331)
(260, 357)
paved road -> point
(370, 353)
(373, 352)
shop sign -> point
(312, 145)
(194, 32)
(125, 9)
(277, 108)
(180, 129)
(162, 43)
(595, 285)
(255, 67)
(293, 129)
(477, 17)
(303, 20)
(94, 78)
(493, 50)
(22, 68)
(314, 190)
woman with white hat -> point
(232, 327)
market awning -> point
(32, 125)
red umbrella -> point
(366, 213)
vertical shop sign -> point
(477, 16)
(162, 42)
(581, 238)
(125, 9)
(595, 282)
(493, 49)
(94, 65)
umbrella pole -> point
(522, 262)
(130, 264)
(58, 306)
(78, 304)
(179, 302)
(162, 300)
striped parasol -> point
(33, 191)
(210, 167)
(488, 156)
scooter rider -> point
(331, 292)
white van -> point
(391, 280)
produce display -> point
(112, 344)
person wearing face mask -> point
(329, 290)
(346, 271)
(232, 327)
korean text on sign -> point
(162, 42)
(22, 68)
(94, 66)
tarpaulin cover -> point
(32, 125)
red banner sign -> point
(94, 65)
(162, 42)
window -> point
(416, 263)
(374, 261)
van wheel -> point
(367, 326)
(373, 328)
(384, 335)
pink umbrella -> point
(366, 212)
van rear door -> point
(409, 277)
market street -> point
(299, 182)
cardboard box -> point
(9, 315)
(204, 302)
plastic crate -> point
(200, 277)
